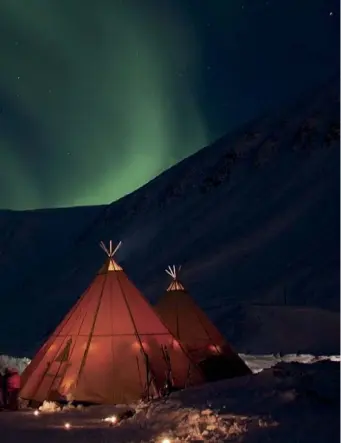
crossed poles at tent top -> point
(110, 252)
(172, 271)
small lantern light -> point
(112, 420)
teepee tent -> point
(110, 348)
(201, 339)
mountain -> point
(253, 219)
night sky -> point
(98, 97)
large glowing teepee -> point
(110, 348)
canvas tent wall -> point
(109, 349)
(201, 339)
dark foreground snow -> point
(291, 402)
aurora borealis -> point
(96, 98)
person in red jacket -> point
(1, 391)
(12, 388)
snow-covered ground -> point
(290, 402)
(258, 363)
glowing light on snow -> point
(166, 440)
(112, 419)
(67, 426)
(36, 412)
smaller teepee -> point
(110, 348)
(195, 331)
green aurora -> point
(97, 98)
(105, 98)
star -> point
(331, 13)
(18, 78)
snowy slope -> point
(254, 219)
(285, 329)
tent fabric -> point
(201, 339)
(109, 349)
